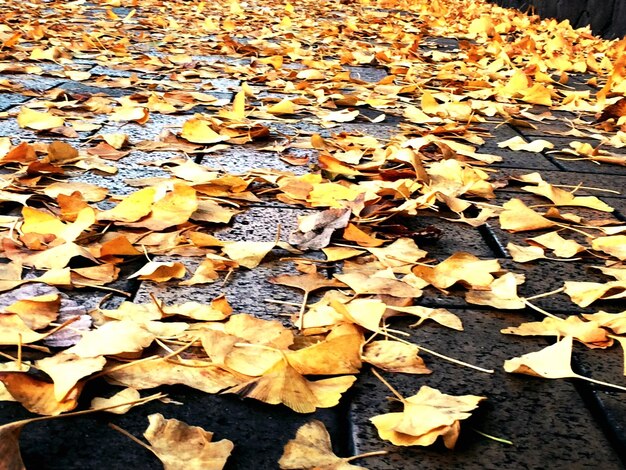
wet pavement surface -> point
(551, 423)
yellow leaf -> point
(426, 416)
(199, 131)
(28, 118)
(518, 143)
(284, 107)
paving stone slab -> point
(615, 182)
(8, 100)
(110, 71)
(518, 159)
(80, 88)
(35, 83)
(511, 158)
(545, 419)
(149, 131)
(540, 277)
(89, 443)
(619, 203)
(243, 159)
(454, 236)
(531, 200)
(367, 74)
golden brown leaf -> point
(312, 449)
(426, 416)
(180, 446)
(394, 356)
(38, 396)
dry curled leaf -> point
(311, 449)
(180, 446)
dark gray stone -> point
(7, 100)
(545, 419)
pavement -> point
(173, 47)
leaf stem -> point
(131, 437)
(388, 385)
(600, 382)
(442, 356)
(493, 438)
(540, 310)
(546, 294)
(305, 299)
(366, 454)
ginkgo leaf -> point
(149, 374)
(28, 118)
(179, 445)
(365, 312)
(616, 322)
(400, 256)
(247, 254)
(160, 271)
(440, 315)
(283, 384)
(552, 362)
(563, 198)
(131, 208)
(285, 106)
(38, 396)
(395, 356)
(256, 330)
(613, 245)
(14, 331)
(175, 208)
(524, 254)
(10, 456)
(114, 337)
(502, 293)
(584, 294)
(460, 267)
(37, 312)
(588, 332)
(315, 230)
(66, 370)
(362, 283)
(426, 416)
(518, 143)
(562, 247)
(338, 353)
(518, 217)
(124, 397)
(312, 449)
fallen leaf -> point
(114, 337)
(518, 217)
(587, 332)
(552, 362)
(180, 446)
(38, 396)
(584, 294)
(28, 118)
(314, 231)
(426, 416)
(247, 254)
(124, 398)
(283, 384)
(518, 143)
(616, 322)
(66, 370)
(394, 356)
(312, 449)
